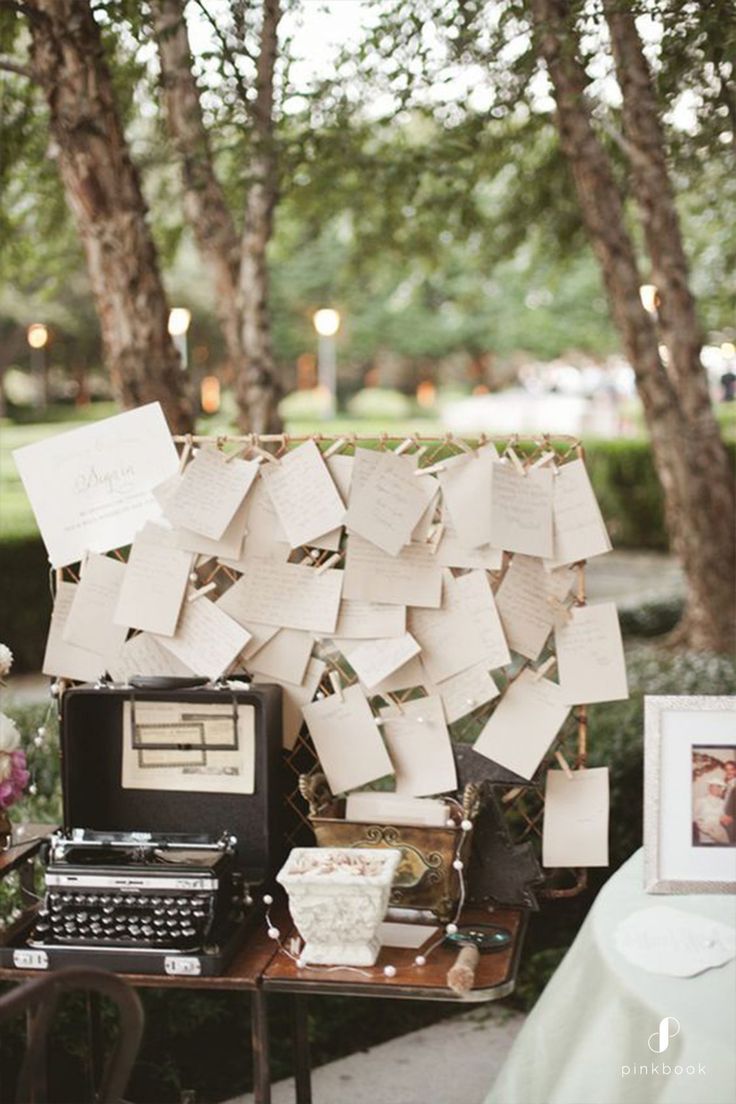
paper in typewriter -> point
(189, 746)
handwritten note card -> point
(206, 639)
(143, 655)
(264, 535)
(347, 740)
(91, 488)
(523, 724)
(413, 578)
(209, 492)
(230, 544)
(576, 818)
(420, 748)
(153, 586)
(466, 489)
(304, 494)
(406, 677)
(466, 630)
(451, 552)
(233, 603)
(64, 660)
(527, 601)
(374, 660)
(590, 656)
(386, 499)
(288, 595)
(368, 620)
(284, 658)
(579, 529)
(294, 698)
(466, 691)
(89, 624)
(521, 510)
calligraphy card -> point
(590, 656)
(465, 691)
(523, 724)
(347, 740)
(143, 655)
(528, 599)
(466, 490)
(209, 492)
(420, 748)
(368, 620)
(451, 552)
(387, 499)
(89, 623)
(374, 660)
(576, 818)
(284, 657)
(294, 698)
(206, 639)
(304, 494)
(579, 530)
(521, 510)
(290, 596)
(91, 488)
(62, 659)
(413, 578)
(156, 577)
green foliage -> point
(379, 403)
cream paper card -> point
(284, 657)
(665, 940)
(368, 620)
(579, 529)
(521, 510)
(230, 544)
(89, 624)
(411, 936)
(290, 596)
(419, 745)
(413, 578)
(374, 660)
(451, 552)
(466, 691)
(209, 492)
(407, 677)
(466, 490)
(576, 818)
(526, 601)
(304, 494)
(206, 754)
(156, 577)
(91, 488)
(294, 698)
(465, 631)
(64, 660)
(422, 529)
(347, 740)
(375, 807)
(206, 639)
(264, 534)
(387, 499)
(523, 724)
(234, 606)
(143, 655)
(341, 470)
(590, 656)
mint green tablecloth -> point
(596, 1015)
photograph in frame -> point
(690, 794)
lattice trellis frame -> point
(523, 804)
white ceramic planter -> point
(337, 897)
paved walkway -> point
(452, 1062)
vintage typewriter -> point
(124, 899)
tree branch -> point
(10, 66)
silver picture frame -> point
(656, 709)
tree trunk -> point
(239, 267)
(694, 492)
(257, 386)
(104, 193)
(205, 206)
(711, 520)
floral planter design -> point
(337, 898)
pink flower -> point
(14, 777)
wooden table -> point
(260, 968)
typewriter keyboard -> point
(124, 920)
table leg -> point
(302, 1063)
(260, 1048)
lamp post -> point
(179, 319)
(327, 323)
(38, 339)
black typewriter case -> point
(91, 734)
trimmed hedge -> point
(25, 601)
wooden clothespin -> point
(329, 562)
(405, 444)
(336, 684)
(548, 664)
(201, 592)
(564, 764)
(431, 469)
(542, 460)
(334, 447)
(511, 794)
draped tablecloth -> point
(587, 1041)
